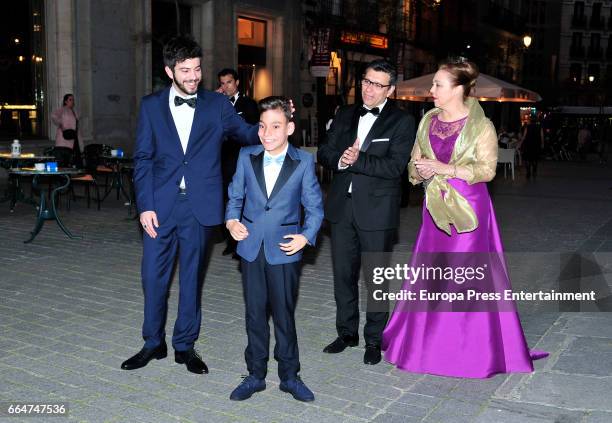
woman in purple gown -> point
(455, 155)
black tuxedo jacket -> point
(384, 155)
(247, 108)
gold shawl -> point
(475, 151)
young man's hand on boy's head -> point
(237, 230)
(292, 107)
(298, 241)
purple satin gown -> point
(459, 344)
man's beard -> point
(184, 89)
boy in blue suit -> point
(271, 183)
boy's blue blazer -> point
(269, 219)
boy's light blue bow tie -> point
(276, 160)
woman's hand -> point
(424, 173)
(428, 168)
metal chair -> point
(93, 162)
(88, 179)
(505, 156)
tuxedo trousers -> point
(354, 249)
(181, 233)
(271, 289)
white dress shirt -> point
(363, 129)
(272, 171)
(234, 98)
(183, 119)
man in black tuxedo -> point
(246, 107)
(368, 147)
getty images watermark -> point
(489, 282)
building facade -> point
(108, 54)
(542, 58)
(415, 35)
(585, 53)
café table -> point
(48, 211)
(14, 192)
(117, 163)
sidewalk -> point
(71, 312)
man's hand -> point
(219, 90)
(148, 220)
(297, 242)
(237, 230)
(350, 155)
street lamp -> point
(527, 41)
(591, 78)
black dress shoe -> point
(192, 360)
(145, 355)
(340, 343)
(372, 354)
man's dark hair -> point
(228, 71)
(382, 65)
(276, 103)
(180, 48)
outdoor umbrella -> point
(487, 89)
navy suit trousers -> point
(183, 233)
(271, 289)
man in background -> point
(246, 107)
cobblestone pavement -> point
(71, 312)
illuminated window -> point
(576, 72)
(251, 41)
(251, 32)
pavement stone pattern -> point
(71, 312)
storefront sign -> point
(319, 62)
(373, 40)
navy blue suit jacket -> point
(160, 162)
(268, 219)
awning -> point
(487, 89)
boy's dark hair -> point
(382, 65)
(179, 49)
(228, 71)
(276, 103)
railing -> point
(357, 15)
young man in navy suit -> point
(178, 183)
(272, 183)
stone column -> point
(60, 47)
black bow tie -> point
(363, 111)
(191, 102)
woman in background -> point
(67, 132)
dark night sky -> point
(16, 79)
